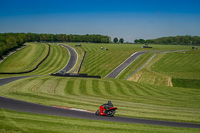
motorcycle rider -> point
(107, 105)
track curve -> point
(73, 58)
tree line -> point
(175, 40)
(9, 41)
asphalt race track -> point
(125, 64)
(22, 106)
(11, 79)
(73, 58)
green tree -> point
(121, 40)
(104, 40)
(136, 41)
(115, 40)
(43, 37)
(142, 41)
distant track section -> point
(73, 58)
(125, 64)
(4, 81)
(140, 67)
(31, 69)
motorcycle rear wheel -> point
(97, 112)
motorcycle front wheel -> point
(111, 113)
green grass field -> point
(147, 97)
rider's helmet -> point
(109, 101)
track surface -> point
(125, 64)
(11, 79)
(22, 106)
(17, 105)
(73, 58)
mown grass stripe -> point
(95, 86)
(107, 87)
(61, 88)
(69, 87)
(89, 88)
(131, 89)
(102, 88)
(82, 87)
(76, 87)
(120, 89)
(156, 91)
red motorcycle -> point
(106, 112)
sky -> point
(128, 19)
